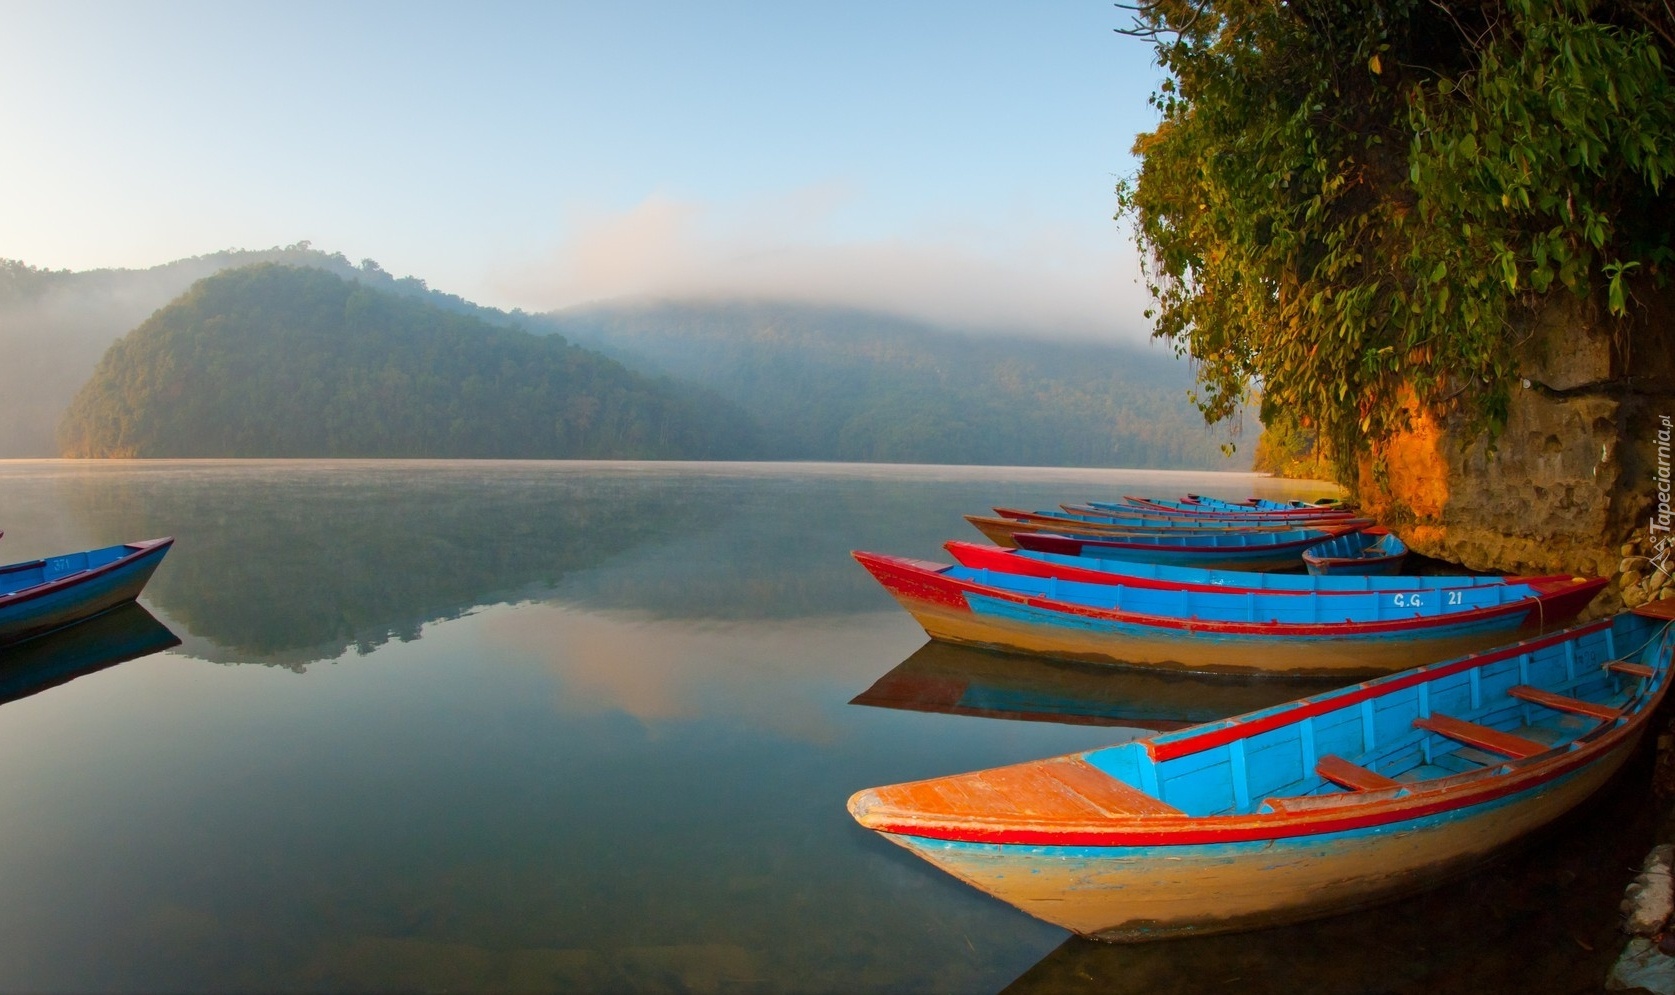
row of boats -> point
(1479, 714)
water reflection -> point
(1544, 919)
(125, 633)
(599, 740)
(959, 680)
(751, 673)
(290, 562)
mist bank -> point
(848, 384)
(812, 381)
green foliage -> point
(278, 361)
(1354, 204)
(1288, 448)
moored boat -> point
(1124, 524)
(1161, 506)
(39, 596)
(1135, 573)
(1328, 803)
(1358, 553)
(1262, 504)
(1249, 632)
(1232, 550)
(1008, 532)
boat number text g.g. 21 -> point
(1416, 600)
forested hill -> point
(280, 361)
(55, 324)
(843, 384)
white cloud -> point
(1052, 280)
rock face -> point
(1574, 475)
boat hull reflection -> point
(963, 680)
(127, 632)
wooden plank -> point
(1352, 776)
(1104, 791)
(1475, 756)
(1663, 608)
(1481, 736)
(1060, 790)
(1563, 703)
(1630, 669)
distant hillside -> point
(842, 384)
(822, 383)
(280, 361)
(56, 324)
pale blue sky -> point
(951, 160)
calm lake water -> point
(588, 726)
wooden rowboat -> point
(39, 596)
(1182, 509)
(1095, 570)
(1211, 506)
(1129, 524)
(1235, 551)
(1250, 632)
(1008, 532)
(1262, 504)
(1358, 553)
(1328, 803)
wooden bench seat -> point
(1630, 669)
(1564, 703)
(1470, 733)
(1353, 776)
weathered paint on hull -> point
(1153, 892)
(1203, 652)
(85, 599)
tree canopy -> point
(1354, 204)
(279, 361)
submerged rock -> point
(1650, 898)
(1647, 904)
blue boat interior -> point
(1119, 569)
(18, 577)
(1209, 539)
(1159, 524)
(1260, 504)
(1215, 504)
(1358, 544)
(1466, 721)
(1250, 606)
